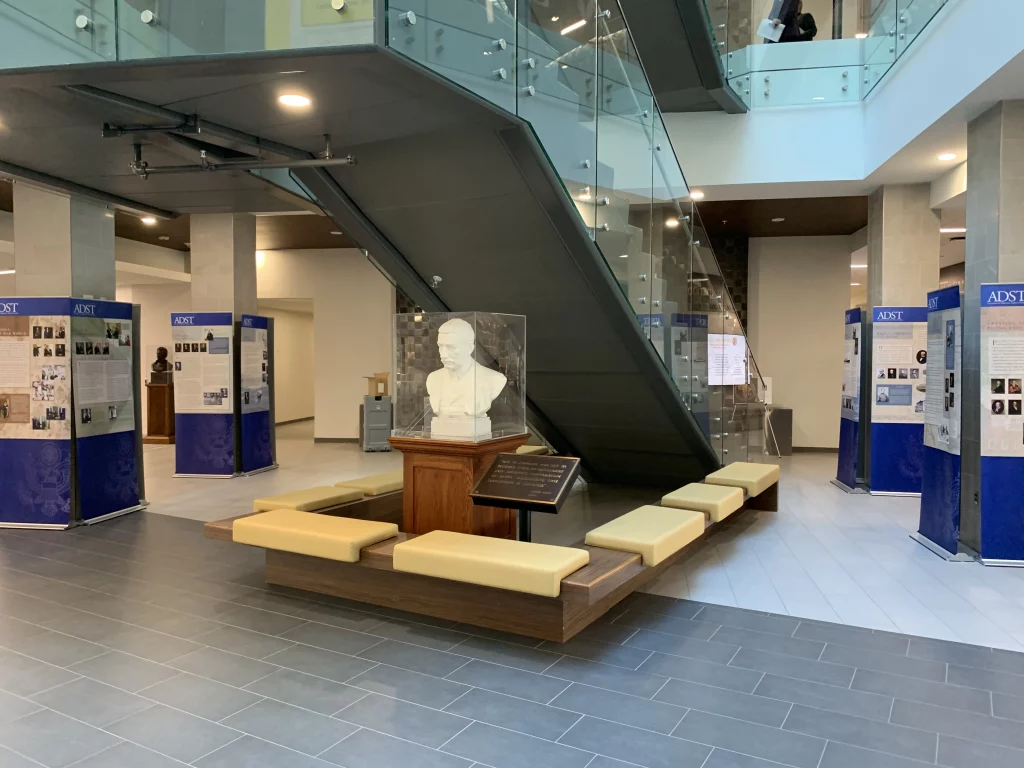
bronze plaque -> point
(535, 483)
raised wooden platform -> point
(385, 508)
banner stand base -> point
(1001, 563)
(844, 487)
(895, 493)
(37, 526)
(206, 477)
(112, 515)
(258, 471)
(931, 546)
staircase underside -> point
(445, 184)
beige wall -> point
(293, 363)
(353, 304)
(799, 288)
(157, 302)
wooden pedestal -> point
(439, 475)
(159, 414)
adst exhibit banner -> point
(204, 419)
(1002, 422)
(899, 359)
(940, 485)
(104, 413)
(849, 424)
(35, 413)
(257, 439)
(689, 348)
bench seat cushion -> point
(307, 533)
(715, 501)
(375, 485)
(520, 566)
(533, 450)
(755, 479)
(309, 500)
(654, 532)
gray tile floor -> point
(139, 644)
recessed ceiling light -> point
(6, 271)
(164, 237)
(574, 26)
(947, 156)
(818, 98)
(778, 219)
(858, 266)
(335, 232)
(725, 221)
(861, 35)
(624, 256)
(696, 194)
(671, 223)
(149, 221)
(555, 18)
(953, 230)
(854, 283)
(294, 100)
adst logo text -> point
(1005, 297)
(9, 308)
(889, 314)
(84, 309)
(183, 319)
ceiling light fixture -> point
(818, 98)
(858, 266)
(778, 219)
(624, 256)
(696, 194)
(335, 232)
(953, 230)
(671, 223)
(555, 18)
(854, 283)
(164, 237)
(861, 36)
(6, 271)
(574, 26)
(947, 156)
(149, 221)
(294, 100)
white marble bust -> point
(462, 391)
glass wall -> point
(34, 33)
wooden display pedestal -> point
(439, 475)
(159, 414)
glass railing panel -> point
(36, 34)
(161, 28)
(622, 197)
(914, 16)
(793, 87)
(880, 45)
(706, 308)
(557, 94)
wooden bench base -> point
(384, 508)
(766, 501)
(586, 595)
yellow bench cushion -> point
(533, 450)
(752, 478)
(307, 533)
(309, 500)
(375, 485)
(654, 532)
(715, 501)
(520, 566)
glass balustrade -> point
(572, 71)
(34, 33)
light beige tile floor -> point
(825, 555)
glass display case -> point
(460, 375)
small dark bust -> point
(161, 365)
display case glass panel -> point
(460, 375)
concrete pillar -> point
(224, 263)
(63, 245)
(903, 246)
(995, 254)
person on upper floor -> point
(797, 26)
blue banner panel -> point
(44, 306)
(111, 310)
(897, 457)
(900, 314)
(255, 321)
(204, 444)
(846, 473)
(1002, 508)
(853, 316)
(256, 450)
(944, 298)
(35, 480)
(940, 499)
(108, 478)
(202, 318)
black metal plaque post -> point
(526, 484)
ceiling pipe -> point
(141, 168)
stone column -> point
(903, 246)
(224, 263)
(995, 254)
(63, 245)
